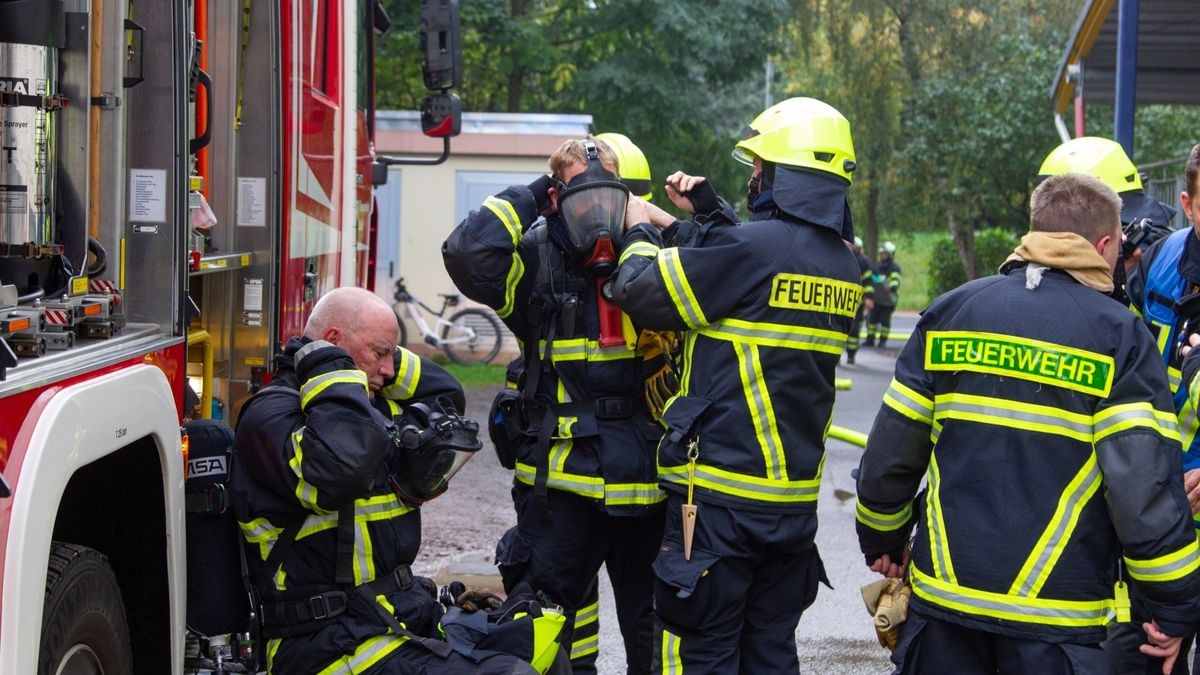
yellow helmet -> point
(800, 132)
(1097, 157)
(631, 163)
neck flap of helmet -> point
(814, 197)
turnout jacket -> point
(1168, 272)
(885, 282)
(602, 441)
(767, 306)
(1042, 424)
(313, 454)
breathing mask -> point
(431, 447)
(592, 209)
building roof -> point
(1168, 54)
(520, 134)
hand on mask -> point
(679, 188)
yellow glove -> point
(887, 602)
(658, 367)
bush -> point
(992, 247)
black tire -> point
(84, 631)
(483, 347)
(403, 329)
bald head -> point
(361, 323)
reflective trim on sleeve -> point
(1189, 423)
(260, 531)
(908, 402)
(672, 663)
(315, 385)
(508, 216)
(679, 289)
(642, 248)
(1128, 415)
(1074, 613)
(306, 493)
(1013, 414)
(408, 375)
(939, 547)
(755, 488)
(883, 522)
(1174, 378)
(762, 413)
(1174, 565)
(366, 654)
(776, 335)
(1050, 546)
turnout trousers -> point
(931, 645)
(880, 325)
(1125, 638)
(734, 605)
(560, 553)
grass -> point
(914, 252)
(476, 375)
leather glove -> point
(476, 599)
(658, 368)
(541, 191)
(887, 602)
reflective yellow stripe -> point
(561, 448)
(672, 664)
(1076, 613)
(1013, 414)
(1137, 312)
(315, 385)
(747, 487)
(1129, 415)
(678, 287)
(366, 654)
(260, 531)
(370, 509)
(758, 399)
(884, 522)
(642, 248)
(631, 494)
(404, 384)
(504, 211)
(938, 544)
(587, 614)
(689, 347)
(587, 486)
(1050, 546)
(1174, 565)
(393, 407)
(306, 493)
(1174, 378)
(1189, 424)
(364, 560)
(776, 335)
(585, 646)
(1164, 336)
(582, 349)
(908, 402)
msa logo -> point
(15, 85)
(207, 466)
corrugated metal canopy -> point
(1168, 53)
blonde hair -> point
(1073, 202)
(572, 152)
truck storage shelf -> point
(88, 355)
(223, 262)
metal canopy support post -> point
(1126, 84)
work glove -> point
(658, 368)
(541, 191)
(887, 602)
(704, 199)
(470, 599)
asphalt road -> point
(835, 634)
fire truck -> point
(179, 182)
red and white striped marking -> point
(57, 317)
(102, 286)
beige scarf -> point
(1064, 251)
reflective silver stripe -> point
(1160, 421)
(586, 486)
(748, 487)
(364, 563)
(642, 248)
(678, 287)
(260, 531)
(671, 662)
(884, 522)
(1011, 608)
(1062, 524)
(587, 614)
(579, 350)
(1167, 567)
(756, 397)
(318, 384)
(1025, 419)
(305, 492)
(935, 522)
(583, 646)
(404, 383)
(777, 335)
(365, 655)
(907, 402)
(633, 493)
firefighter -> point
(1037, 413)
(885, 294)
(1166, 276)
(868, 303)
(581, 436)
(328, 541)
(767, 306)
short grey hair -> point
(1074, 202)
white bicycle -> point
(467, 336)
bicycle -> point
(468, 336)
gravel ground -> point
(835, 635)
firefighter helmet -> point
(632, 166)
(888, 248)
(1094, 156)
(800, 132)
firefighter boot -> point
(850, 355)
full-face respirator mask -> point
(592, 209)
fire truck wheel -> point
(83, 624)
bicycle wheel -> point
(473, 337)
(403, 342)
